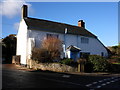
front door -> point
(74, 55)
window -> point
(84, 40)
(52, 35)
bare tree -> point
(53, 46)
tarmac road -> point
(22, 79)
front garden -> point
(48, 58)
(94, 63)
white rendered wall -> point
(94, 46)
(22, 41)
(68, 54)
(71, 40)
(30, 45)
(38, 36)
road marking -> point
(95, 82)
(112, 81)
(98, 87)
(107, 82)
(66, 76)
(88, 85)
(103, 82)
(100, 81)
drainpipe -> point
(65, 41)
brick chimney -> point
(24, 11)
(81, 24)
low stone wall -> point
(57, 67)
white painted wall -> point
(22, 41)
(94, 46)
(71, 40)
(68, 54)
(38, 36)
(30, 45)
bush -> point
(67, 61)
(40, 55)
(99, 63)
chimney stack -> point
(81, 24)
(24, 11)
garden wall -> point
(57, 67)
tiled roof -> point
(50, 26)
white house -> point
(77, 40)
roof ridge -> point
(55, 22)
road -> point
(22, 79)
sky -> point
(101, 18)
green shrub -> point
(99, 63)
(67, 61)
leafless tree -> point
(53, 46)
